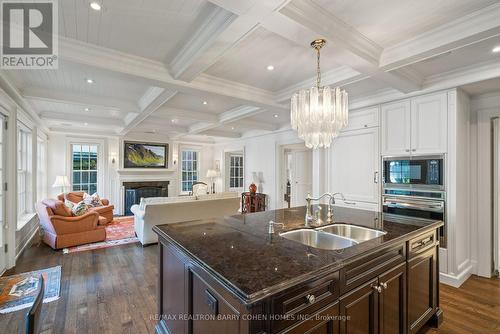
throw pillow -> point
(69, 204)
(80, 209)
(96, 200)
(87, 199)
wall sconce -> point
(174, 158)
(113, 157)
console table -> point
(253, 202)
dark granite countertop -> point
(241, 254)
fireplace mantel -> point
(142, 171)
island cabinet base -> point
(392, 289)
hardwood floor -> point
(113, 290)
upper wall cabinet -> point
(415, 126)
(396, 128)
(429, 122)
(362, 119)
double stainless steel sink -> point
(331, 237)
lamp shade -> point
(61, 181)
(211, 173)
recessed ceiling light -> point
(95, 5)
(232, 128)
(87, 109)
(275, 115)
(496, 49)
(174, 120)
(89, 81)
(270, 67)
(205, 102)
(85, 123)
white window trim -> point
(29, 211)
(41, 186)
(102, 163)
(198, 165)
(236, 189)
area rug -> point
(19, 291)
(119, 232)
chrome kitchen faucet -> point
(329, 216)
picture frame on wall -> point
(145, 155)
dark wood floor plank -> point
(113, 290)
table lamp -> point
(211, 174)
(61, 181)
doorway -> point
(296, 175)
(3, 254)
(496, 197)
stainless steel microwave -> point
(414, 172)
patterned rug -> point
(19, 291)
(119, 232)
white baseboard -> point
(28, 242)
(456, 280)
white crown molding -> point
(21, 103)
(486, 101)
(193, 58)
(462, 76)
(466, 30)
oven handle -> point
(435, 207)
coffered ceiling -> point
(200, 70)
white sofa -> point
(166, 210)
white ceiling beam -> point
(57, 116)
(79, 99)
(201, 127)
(469, 29)
(257, 125)
(154, 73)
(221, 133)
(152, 99)
(238, 113)
(166, 112)
(210, 40)
(363, 55)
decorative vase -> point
(252, 188)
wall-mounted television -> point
(145, 155)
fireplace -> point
(134, 191)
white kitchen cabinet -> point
(429, 119)
(354, 166)
(363, 118)
(396, 128)
(415, 126)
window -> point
(24, 171)
(84, 167)
(41, 169)
(236, 178)
(189, 169)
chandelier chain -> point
(318, 70)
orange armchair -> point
(63, 230)
(105, 211)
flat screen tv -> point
(145, 155)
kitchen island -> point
(231, 275)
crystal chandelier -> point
(318, 114)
